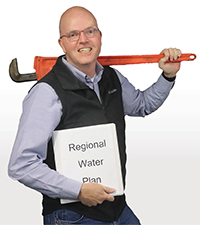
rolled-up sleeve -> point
(142, 103)
(41, 114)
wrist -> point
(169, 77)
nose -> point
(83, 38)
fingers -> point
(92, 194)
(170, 69)
(171, 54)
(105, 196)
(109, 191)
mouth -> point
(85, 50)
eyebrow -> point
(82, 29)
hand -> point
(92, 194)
(170, 69)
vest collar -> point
(66, 78)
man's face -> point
(84, 51)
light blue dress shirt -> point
(41, 114)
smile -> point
(85, 50)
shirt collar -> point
(82, 76)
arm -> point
(142, 103)
(41, 114)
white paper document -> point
(89, 154)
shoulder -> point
(50, 78)
(41, 94)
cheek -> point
(99, 46)
(68, 47)
(99, 43)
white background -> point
(163, 149)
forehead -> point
(78, 20)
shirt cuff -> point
(71, 190)
(170, 79)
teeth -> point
(85, 50)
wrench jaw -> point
(16, 76)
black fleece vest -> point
(81, 107)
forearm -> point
(154, 96)
(49, 182)
(26, 165)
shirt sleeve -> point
(142, 103)
(41, 114)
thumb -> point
(108, 190)
(163, 61)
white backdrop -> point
(163, 149)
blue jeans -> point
(64, 217)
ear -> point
(61, 45)
(101, 36)
(100, 33)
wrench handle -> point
(137, 59)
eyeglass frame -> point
(79, 33)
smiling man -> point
(80, 39)
(80, 92)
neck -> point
(88, 69)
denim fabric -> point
(65, 217)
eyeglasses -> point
(75, 34)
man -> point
(77, 93)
